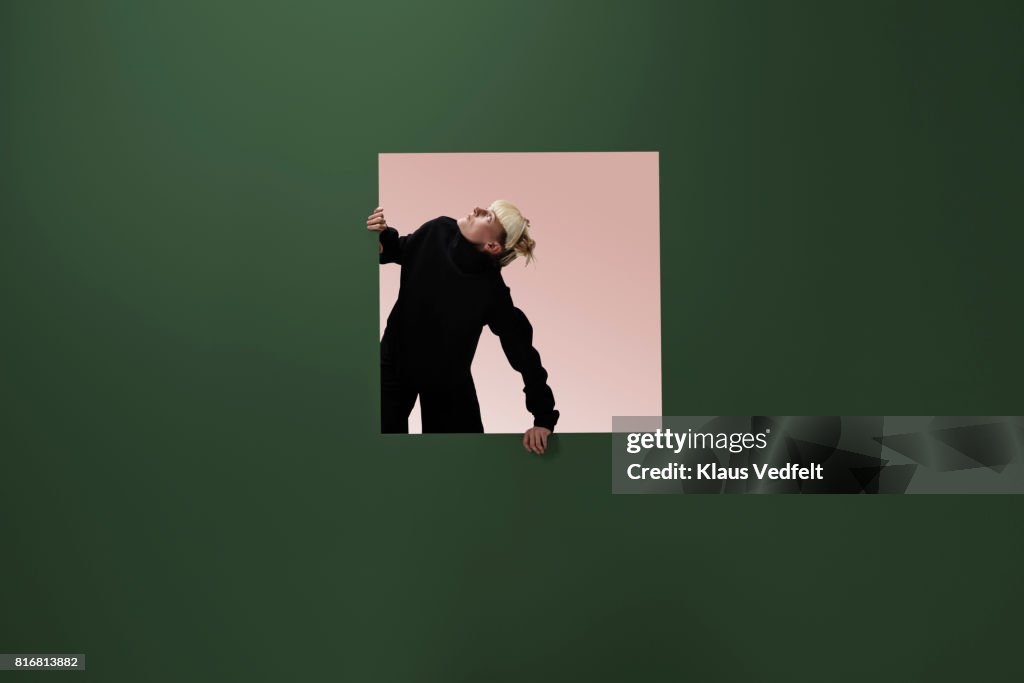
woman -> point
(451, 287)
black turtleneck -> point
(449, 291)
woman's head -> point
(500, 230)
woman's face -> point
(482, 228)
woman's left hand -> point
(535, 439)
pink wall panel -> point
(593, 292)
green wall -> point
(191, 482)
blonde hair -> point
(517, 232)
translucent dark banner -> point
(817, 454)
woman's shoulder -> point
(442, 225)
(441, 222)
(499, 290)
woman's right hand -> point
(375, 221)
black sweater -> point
(449, 291)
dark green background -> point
(192, 486)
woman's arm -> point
(516, 335)
(391, 247)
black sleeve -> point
(516, 335)
(395, 248)
(391, 245)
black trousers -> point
(449, 409)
